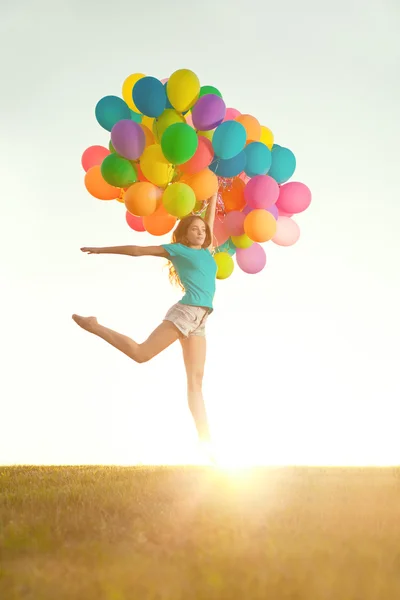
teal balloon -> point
(283, 164)
(149, 96)
(231, 167)
(228, 247)
(209, 89)
(118, 171)
(229, 139)
(135, 116)
(111, 109)
(258, 159)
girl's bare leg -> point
(162, 337)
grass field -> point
(172, 533)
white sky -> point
(303, 359)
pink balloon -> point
(287, 232)
(261, 191)
(282, 213)
(231, 114)
(135, 223)
(221, 234)
(164, 80)
(294, 197)
(234, 221)
(189, 119)
(128, 139)
(244, 177)
(93, 156)
(251, 260)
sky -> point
(303, 358)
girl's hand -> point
(91, 250)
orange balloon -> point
(201, 159)
(260, 225)
(204, 184)
(121, 196)
(139, 171)
(98, 187)
(160, 222)
(233, 197)
(251, 125)
(148, 135)
(141, 199)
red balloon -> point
(135, 223)
(201, 159)
(94, 155)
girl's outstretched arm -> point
(210, 214)
(128, 250)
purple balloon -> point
(208, 112)
(251, 260)
(128, 139)
(274, 211)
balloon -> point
(220, 233)
(274, 211)
(267, 137)
(140, 175)
(94, 155)
(258, 159)
(164, 80)
(201, 159)
(294, 197)
(141, 199)
(229, 139)
(225, 265)
(283, 164)
(233, 196)
(234, 222)
(136, 117)
(207, 134)
(148, 136)
(155, 166)
(189, 119)
(261, 192)
(121, 196)
(287, 232)
(98, 187)
(260, 225)
(160, 222)
(183, 89)
(231, 114)
(208, 112)
(169, 117)
(127, 88)
(179, 143)
(179, 199)
(148, 122)
(204, 184)
(118, 171)
(231, 167)
(251, 260)
(111, 109)
(149, 96)
(135, 223)
(228, 247)
(209, 89)
(283, 213)
(128, 139)
(251, 125)
(242, 241)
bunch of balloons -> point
(173, 144)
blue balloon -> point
(228, 247)
(283, 164)
(258, 159)
(229, 139)
(149, 96)
(111, 109)
(230, 167)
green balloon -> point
(209, 89)
(179, 143)
(135, 116)
(118, 171)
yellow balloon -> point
(179, 199)
(267, 137)
(225, 265)
(148, 122)
(242, 241)
(183, 89)
(127, 88)
(207, 134)
(169, 117)
(155, 166)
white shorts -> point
(190, 320)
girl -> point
(192, 266)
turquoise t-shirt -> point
(197, 270)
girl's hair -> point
(179, 237)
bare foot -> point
(88, 323)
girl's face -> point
(196, 233)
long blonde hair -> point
(179, 237)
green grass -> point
(172, 533)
